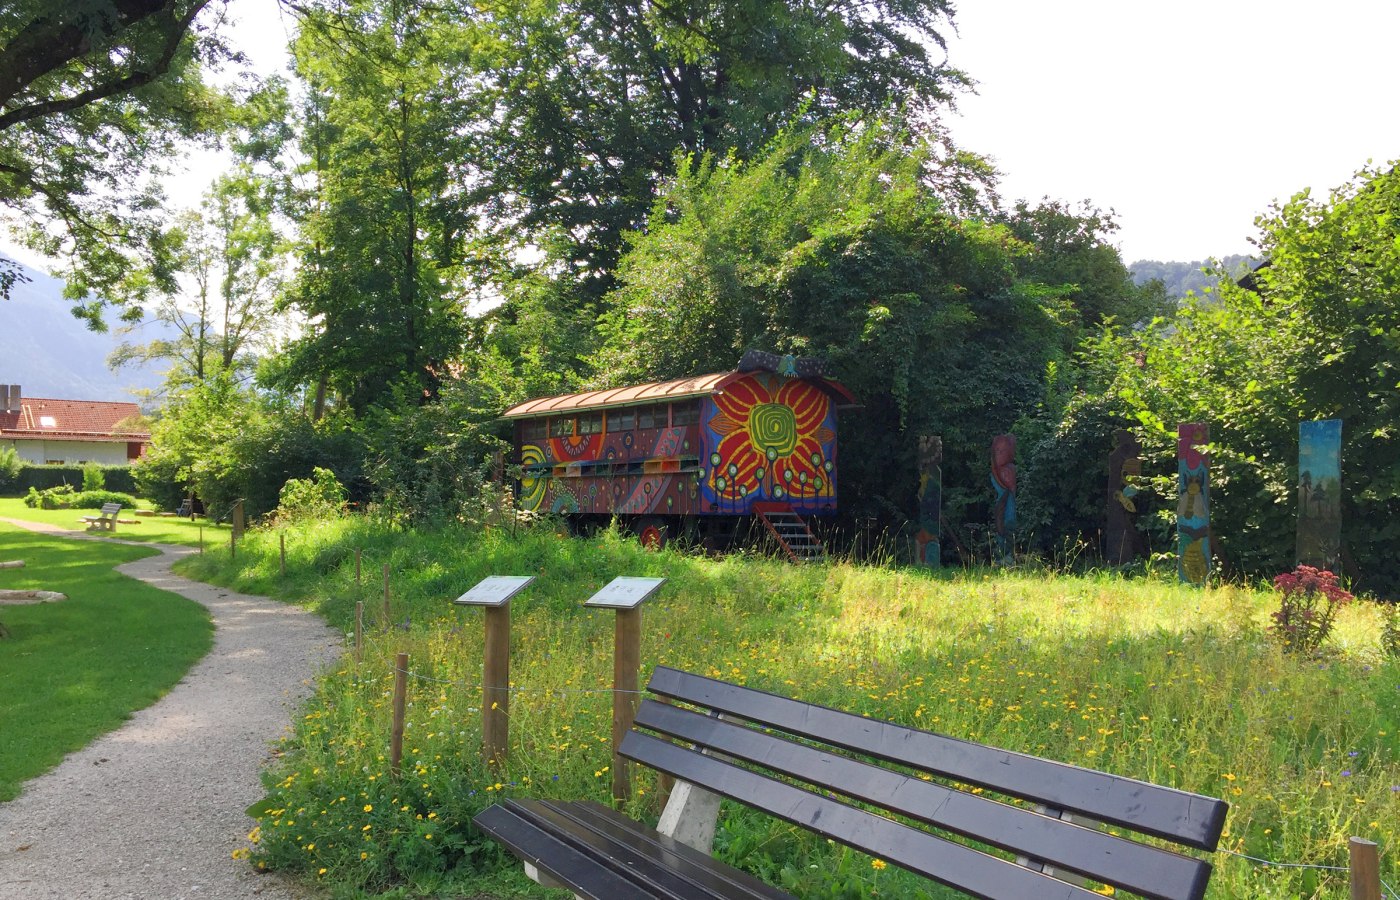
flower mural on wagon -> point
(774, 439)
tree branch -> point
(47, 44)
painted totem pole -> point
(927, 548)
(1004, 484)
(1122, 543)
(1193, 503)
(1320, 493)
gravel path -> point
(155, 808)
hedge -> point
(117, 478)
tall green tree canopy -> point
(831, 243)
(92, 92)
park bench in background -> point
(740, 745)
(106, 520)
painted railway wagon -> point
(693, 450)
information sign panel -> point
(625, 592)
(495, 591)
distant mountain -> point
(1181, 277)
(49, 353)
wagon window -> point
(685, 413)
(534, 429)
(646, 417)
(622, 420)
(561, 427)
(590, 424)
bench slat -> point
(1149, 871)
(1190, 819)
(944, 861)
(680, 870)
(556, 858)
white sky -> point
(1186, 118)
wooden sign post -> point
(237, 525)
(625, 595)
(400, 696)
(494, 594)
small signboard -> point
(495, 591)
(625, 593)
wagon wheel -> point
(651, 532)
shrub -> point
(1390, 630)
(1307, 609)
(9, 466)
(319, 496)
(96, 499)
(117, 478)
(93, 478)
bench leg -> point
(690, 816)
(544, 880)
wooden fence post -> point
(400, 692)
(495, 699)
(1365, 870)
(359, 629)
(238, 523)
(282, 549)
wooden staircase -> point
(791, 532)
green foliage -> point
(225, 443)
(319, 496)
(118, 478)
(833, 244)
(10, 466)
(92, 93)
(79, 668)
(64, 497)
(1314, 334)
(1390, 630)
(93, 478)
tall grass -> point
(1138, 677)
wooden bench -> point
(825, 770)
(106, 520)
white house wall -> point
(69, 452)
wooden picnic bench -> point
(106, 520)
(896, 793)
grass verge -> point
(163, 530)
(1143, 678)
(77, 668)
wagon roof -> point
(678, 389)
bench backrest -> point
(905, 786)
(111, 510)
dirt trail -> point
(155, 808)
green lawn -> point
(1141, 677)
(164, 530)
(75, 669)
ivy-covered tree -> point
(831, 243)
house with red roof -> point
(70, 432)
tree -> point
(831, 243)
(237, 261)
(92, 92)
(380, 260)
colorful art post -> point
(1122, 542)
(1320, 493)
(928, 550)
(1004, 484)
(1193, 502)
